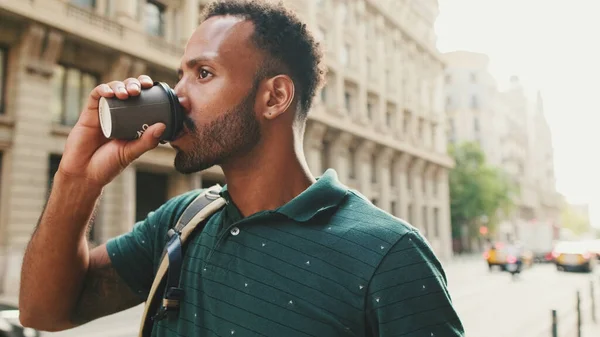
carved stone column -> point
(191, 11)
(339, 155)
(445, 228)
(384, 161)
(401, 171)
(123, 67)
(26, 164)
(429, 178)
(313, 146)
(364, 153)
(416, 173)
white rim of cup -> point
(105, 117)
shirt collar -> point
(327, 192)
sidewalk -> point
(590, 330)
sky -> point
(552, 45)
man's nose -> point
(182, 96)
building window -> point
(320, 35)
(436, 222)
(370, 110)
(3, 68)
(394, 210)
(150, 192)
(425, 220)
(474, 102)
(325, 164)
(345, 55)
(374, 201)
(352, 162)
(348, 101)
(389, 118)
(324, 95)
(90, 4)
(388, 80)
(448, 102)
(344, 11)
(406, 122)
(374, 169)
(476, 124)
(72, 87)
(410, 214)
(155, 18)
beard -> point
(234, 132)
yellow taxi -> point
(573, 255)
(497, 255)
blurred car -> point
(497, 255)
(10, 325)
(574, 255)
(594, 247)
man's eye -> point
(204, 74)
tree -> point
(478, 191)
(574, 221)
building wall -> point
(511, 130)
(379, 121)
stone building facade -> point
(379, 121)
(513, 133)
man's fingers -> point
(119, 89)
(147, 142)
(133, 86)
(145, 81)
(89, 115)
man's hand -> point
(62, 283)
(92, 158)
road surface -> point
(490, 304)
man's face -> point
(217, 87)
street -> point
(491, 304)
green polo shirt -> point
(328, 263)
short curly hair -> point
(289, 47)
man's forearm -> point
(57, 257)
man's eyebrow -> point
(191, 63)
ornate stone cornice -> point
(37, 58)
(430, 170)
(365, 149)
(385, 156)
(315, 133)
(342, 140)
(402, 160)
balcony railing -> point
(161, 44)
(94, 19)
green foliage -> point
(574, 221)
(478, 191)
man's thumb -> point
(147, 142)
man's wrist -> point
(77, 186)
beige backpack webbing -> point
(207, 203)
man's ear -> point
(277, 96)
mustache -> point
(188, 123)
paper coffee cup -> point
(128, 119)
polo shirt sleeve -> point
(134, 254)
(408, 294)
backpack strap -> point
(207, 203)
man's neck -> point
(267, 181)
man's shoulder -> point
(361, 214)
(171, 210)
